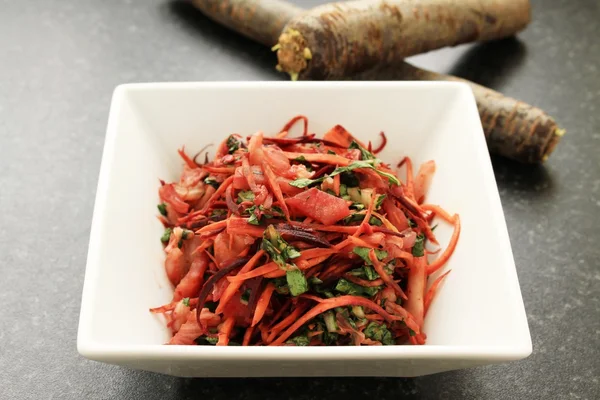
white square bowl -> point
(478, 316)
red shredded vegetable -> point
(300, 241)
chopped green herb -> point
(330, 338)
(330, 323)
(186, 234)
(166, 235)
(186, 301)
(412, 223)
(246, 195)
(418, 249)
(162, 209)
(375, 221)
(212, 182)
(365, 154)
(233, 343)
(343, 190)
(344, 286)
(358, 311)
(277, 248)
(296, 281)
(411, 332)
(433, 227)
(304, 182)
(379, 201)
(363, 252)
(357, 206)
(206, 341)
(218, 212)
(253, 219)
(365, 272)
(299, 341)
(380, 333)
(330, 152)
(233, 144)
(245, 296)
(314, 281)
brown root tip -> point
(292, 53)
(558, 134)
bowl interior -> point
(479, 304)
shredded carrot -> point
(190, 163)
(262, 304)
(431, 292)
(439, 262)
(254, 234)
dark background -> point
(60, 61)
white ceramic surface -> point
(478, 316)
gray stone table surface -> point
(60, 61)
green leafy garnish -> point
(296, 281)
(186, 301)
(218, 212)
(233, 144)
(357, 206)
(380, 333)
(330, 338)
(418, 249)
(365, 154)
(365, 272)
(304, 182)
(212, 182)
(411, 223)
(299, 340)
(253, 219)
(245, 297)
(162, 209)
(277, 248)
(330, 323)
(206, 341)
(379, 201)
(356, 217)
(363, 252)
(166, 235)
(347, 287)
(246, 195)
(330, 152)
(411, 332)
(343, 190)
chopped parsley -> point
(299, 341)
(277, 248)
(233, 144)
(296, 282)
(363, 252)
(379, 201)
(418, 249)
(162, 209)
(206, 341)
(245, 297)
(365, 272)
(186, 301)
(246, 195)
(380, 333)
(365, 154)
(347, 287)
(304, 162)
(166, 235)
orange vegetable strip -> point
(333, 159)
(249, 174)
(359, 242)
(260, 271)
(262, 304)
(417, 283)
(190, 163)
(248, 335)
(218, 193)
(439, 211)
(212, 227)
(378, 266)
(441, 260)
(240, 226)
(329, 304)
(272, 181)
(431, 292)
(225, 331)
(219, 170)
(336, 184)
(233, 287)
(284, 323)
(367, 217)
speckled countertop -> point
(59, 62)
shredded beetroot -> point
(300, 241)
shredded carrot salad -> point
(300, 241)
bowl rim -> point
(92, 349)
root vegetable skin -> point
(259, 20)
(338, 40)
(512, 128)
